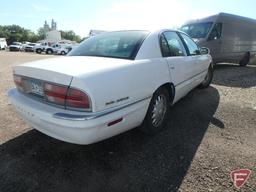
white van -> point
(230, 38)
(3, 43)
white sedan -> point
(109, 84)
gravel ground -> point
(210, 133)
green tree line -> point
(14, 33)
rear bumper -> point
(78, 128)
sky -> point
(83, 15)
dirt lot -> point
(210, 133)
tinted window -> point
(191, 45)
(197, 30)
(122, 44)
(174, 43)
(216, 32)
(164, 47)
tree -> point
(70, 35)
(41, 33)
(14, 33)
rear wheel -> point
(38, 51)
(245, 60)
(49, 51)
(63, 53)
(156, 117)
(208, 78)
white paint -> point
(105, 80)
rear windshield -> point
(197, 30)
(121, 44)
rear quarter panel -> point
(129, 83)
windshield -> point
(16, 43)
(121, 44)
(197, 30)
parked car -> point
(47, 48)
(230, 38)
(24, 44)
(109, 84)
(65, 49)
(3, 44)
(41, 47)
(15, 46)
(29, 47)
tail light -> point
(55, 93)
(77, 99)
(19, 83)
(68, 97)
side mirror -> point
(204, 50)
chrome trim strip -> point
(191, 77)
(76, 117)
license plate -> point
(36, 87)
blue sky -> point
(83, 15)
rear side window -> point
(216, 32)
(164, 46)
(191, 45)
(171, 45)
(174, 43)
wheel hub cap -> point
(159, 110)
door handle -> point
(172, 67)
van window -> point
(191, 45)
(216, 32)
(197, 30)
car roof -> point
(159, 31)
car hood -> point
(17, 46)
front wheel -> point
(245, 60)
(39, 51)
(49, 51)
(157, 114)
(208, 78)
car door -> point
(181, 64)
(201, 62)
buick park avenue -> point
(109, 84)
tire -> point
(49, 51)
(63, 53)
(245, 60)
(38, 51)
(208, 78)
(157, 114)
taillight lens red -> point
(55, 93)
(18, 82)
(68, 97)
(77, 99)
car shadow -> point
(130, 162)
(231, 75)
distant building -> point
(46, 27)
(53, 36)
(51, 33)
(54, 25)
